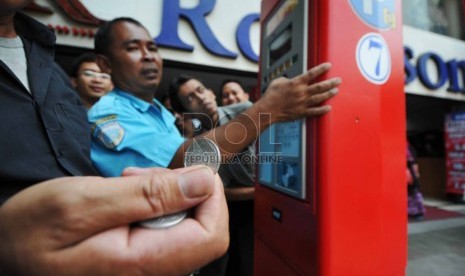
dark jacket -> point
(44, 135)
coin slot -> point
(276, 214)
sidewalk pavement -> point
(437, 247)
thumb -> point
(84, 206)
(152, 194)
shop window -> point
(444, 17)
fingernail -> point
(196, 183)
(134, 170)
(326, 65)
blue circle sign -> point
(379, 14)
(373, 58)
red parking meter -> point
(331, 195)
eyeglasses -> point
(93, 74)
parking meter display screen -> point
(288, 138)
(282, 162)
(283, 169)
(280, 46)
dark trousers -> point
(241, 248)
(238, 261)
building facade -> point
(434, 34)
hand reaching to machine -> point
(290, 99)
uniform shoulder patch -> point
(108, 131)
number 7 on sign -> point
(374, 44)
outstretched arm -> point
(284, 100)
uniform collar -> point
(139, 104)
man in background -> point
(232, 92)
(88, 80)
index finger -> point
(180, 249)
(193, 235)
(314, 73)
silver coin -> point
(164, 221)
(203, 151)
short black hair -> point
(173, 92)
(231, 80)
(103, 38)
(86, 57)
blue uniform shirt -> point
(129, 132)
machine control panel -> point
(284, 48)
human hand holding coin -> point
(202, 151)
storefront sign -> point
(173, 13)
(434, 64)
(225, 34)
(442, 73)
(217, 33)
(455, 152)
